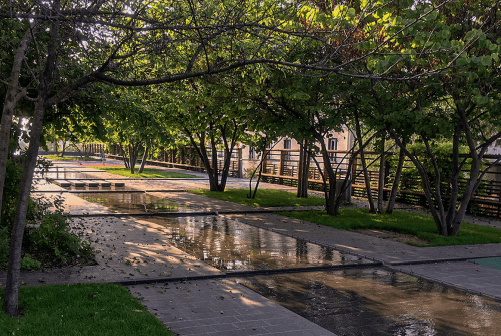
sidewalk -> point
(135, 252)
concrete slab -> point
(62, 183)
(77, 183)
(220, 307)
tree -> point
(461, 104)
(213, 118)
(83, 43)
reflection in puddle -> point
(134, 202)
(379, 302)
(233, 246)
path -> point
(207, 306)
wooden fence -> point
(281, 167)
(185, 158)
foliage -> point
(249, 172)
(443, 153)
(419, 225)
(83, 309)
(30, 264)
(147, 173)
(54, 236)
(264, 197)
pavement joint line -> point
(434, 261)
(182, 214)
(129, 178)
(230, 275)
(108, 191)
(160, 214)
(444, 283)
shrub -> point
(30, 264)
(54, 236)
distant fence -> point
(281, 167)
(185, 158)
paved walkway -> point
(135, 252)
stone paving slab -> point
(130, 250)
(466, 275)
(220, 307)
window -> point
(287, 145)
(332, 145)
(252, 153)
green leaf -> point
(486, 60)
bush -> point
(52, 238)
(54, 235)
(30, 264)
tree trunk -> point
(133, 152)
(382, 164)
(16, 240)
(46, 81)
(396, 182)
(330, 180)
(303, 171)
(372, 208)
(124, 157)
(63, 150)
(11, 99)
(143, 161)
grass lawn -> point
(419, 225)
(83, 309)
(70, 158)
(264, 197)
(147, 172)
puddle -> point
(494, 262)
(133, 202)
(379, 302)
(233, 246)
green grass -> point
(70, 158)
(84, 309)
(147, 172)
(264, 197)
(419, 225)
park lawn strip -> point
(419, 225)
(264, 197)
(81, 309)
(70, 158)
(147, 172)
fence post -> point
(239, 162)
(282, 162)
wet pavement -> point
(396, 299)
(379, 302)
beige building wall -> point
(338, 141)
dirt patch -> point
(395, 236)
